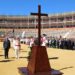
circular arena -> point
(54, 26)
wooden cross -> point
(39, 14)
(35, 63)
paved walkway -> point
(62, 60)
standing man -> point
(17, 47)
(6, 45)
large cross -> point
(39, 14)
(38, 53)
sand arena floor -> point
(62, 60)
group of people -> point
(50, 42)
(62, 43)
(7, 46)
(54, 42)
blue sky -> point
(25, 7)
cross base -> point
(38, 63)
(24, 71)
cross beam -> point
(39, 14)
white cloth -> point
(31, 42)
(44, 41)
(16, 45)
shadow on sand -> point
(53, 58)
(1, 55)
(23, 51)
(24, 57)
(66, 68)
(7, 60)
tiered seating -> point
(64, 32)
(72, 34)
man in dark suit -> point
(6, 45)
